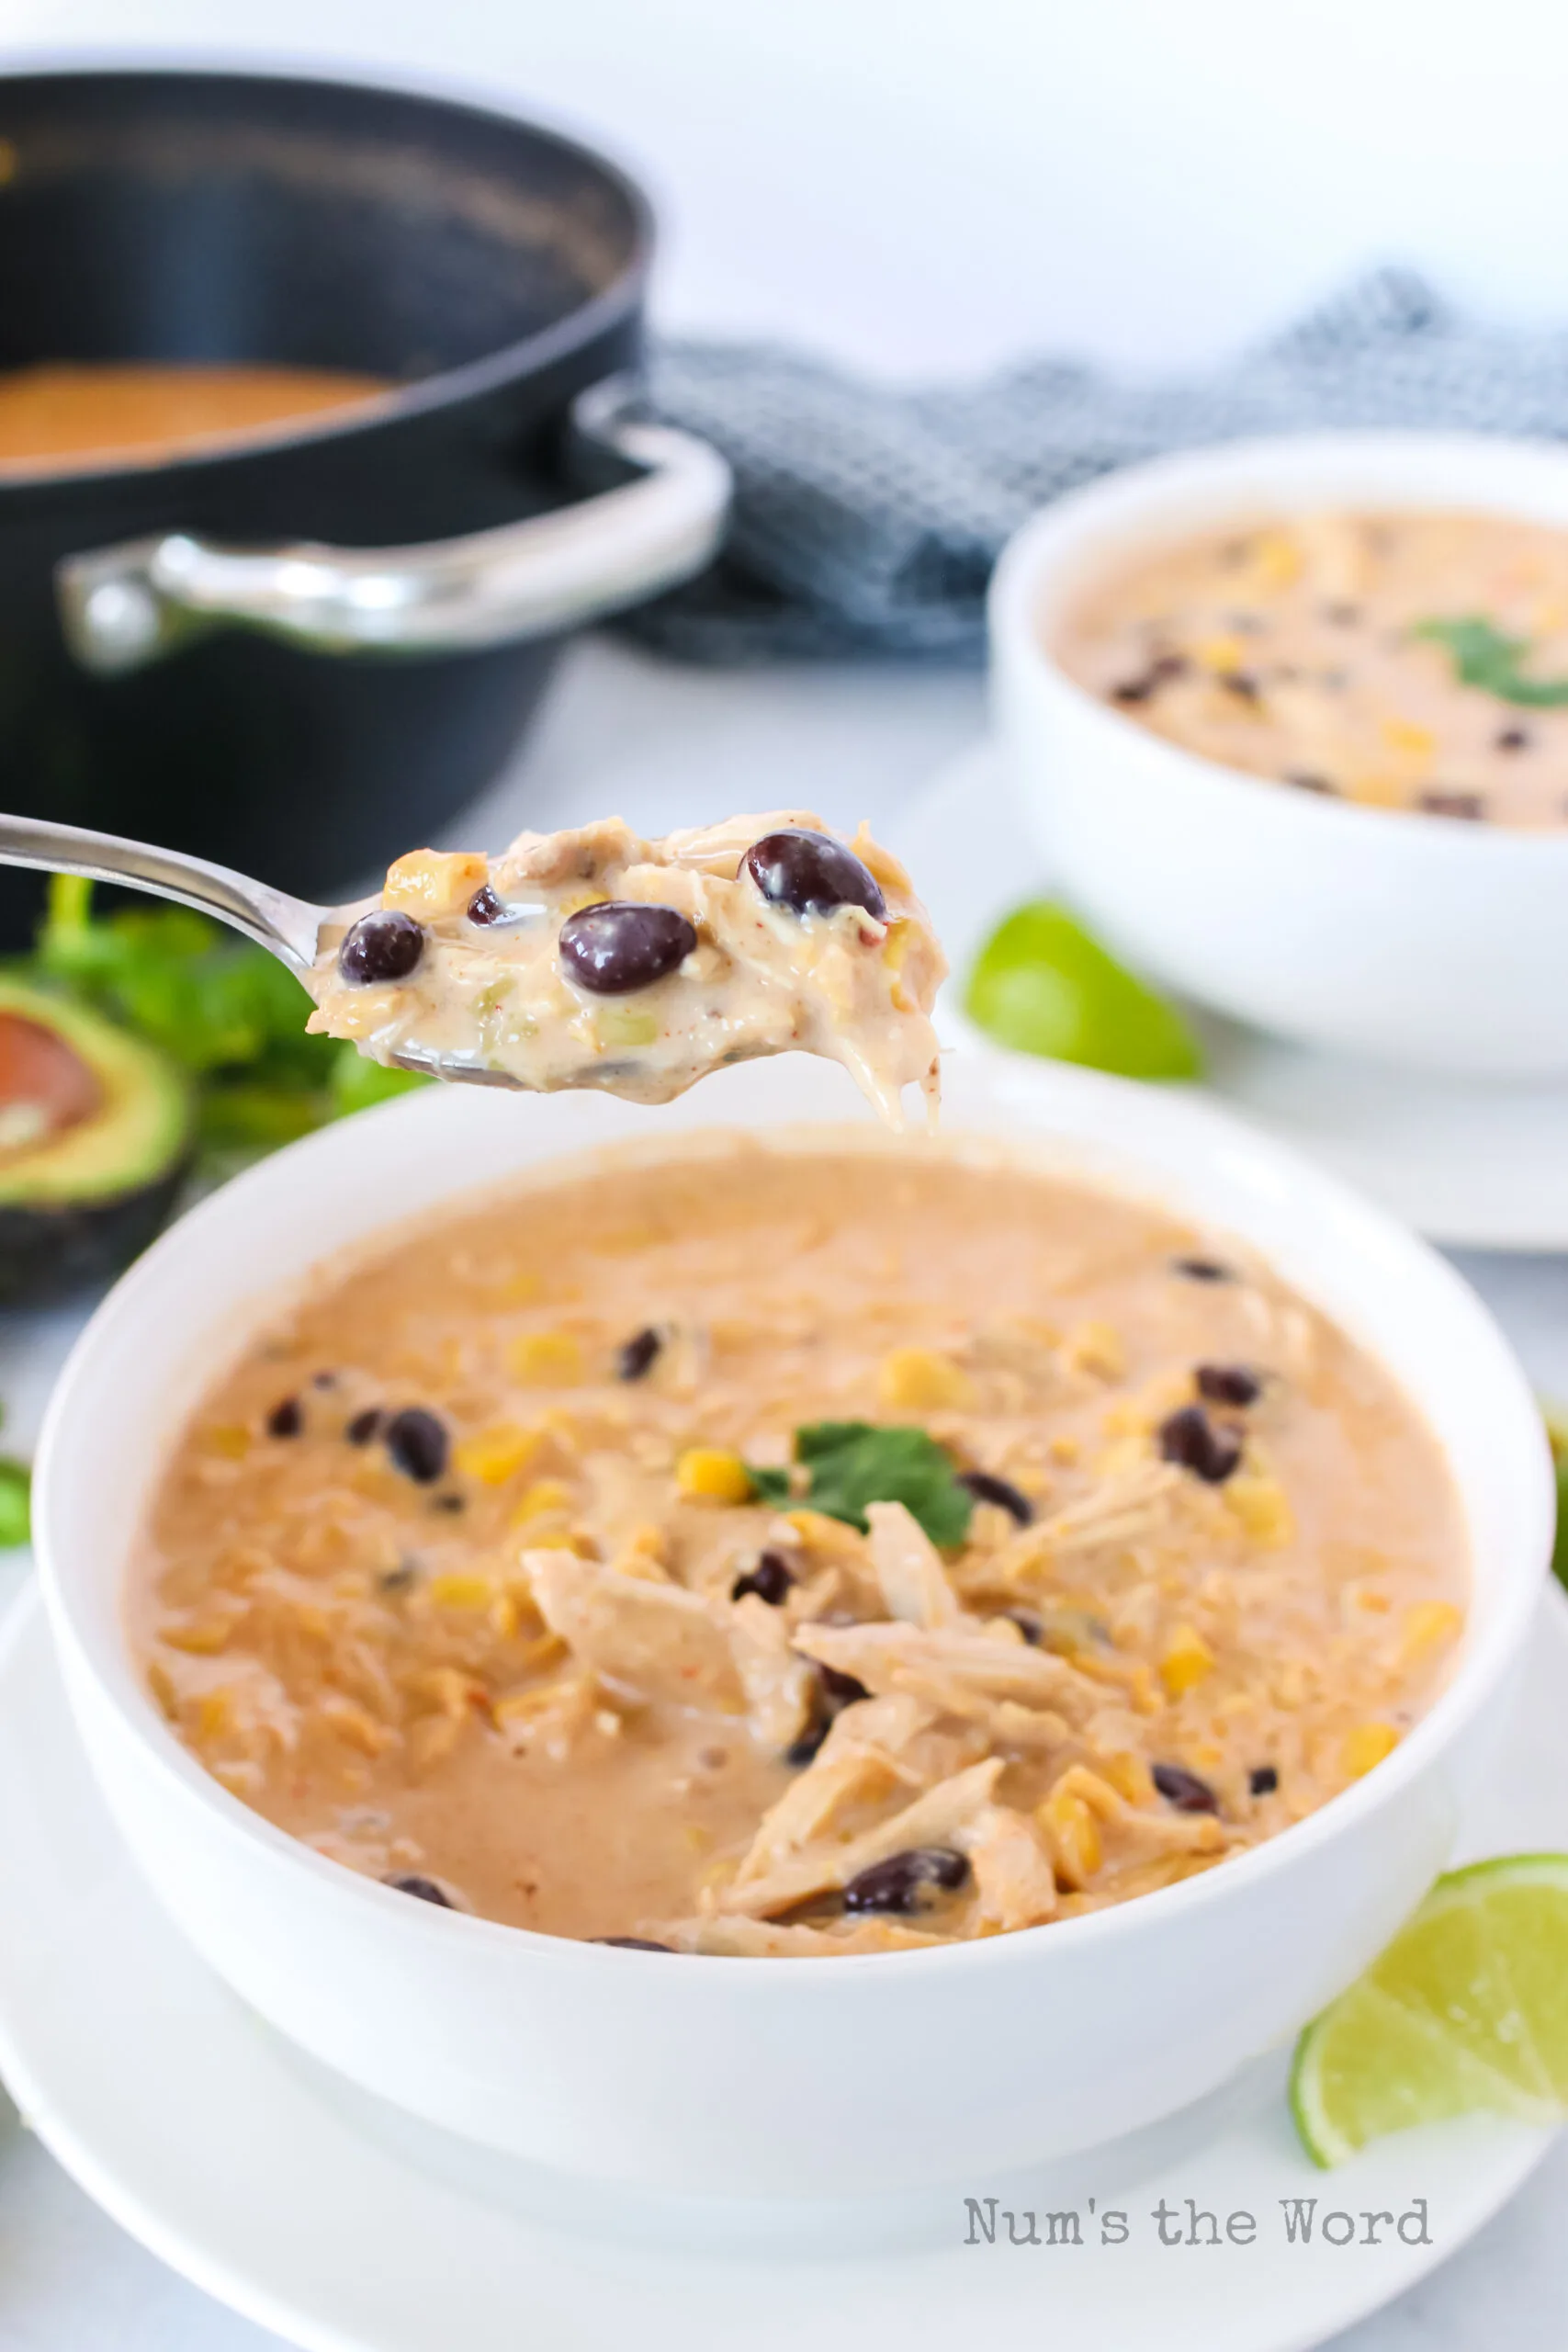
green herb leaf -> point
(16, 1505)
(852, 1464)
(1487, 657)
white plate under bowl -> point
(1474, 1164)
(348, 2227)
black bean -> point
(1514, 738)
(381, 947)
(323, 1380)
(1028, 1625)
(1184, 1790)
(771, 1581)
(637, 1355)
(811, 874)
(364, 1425)
(987, 1487)
(1240, 683)
(451, 1504)
(425, 1888)
(1190, 1439)
(900, 1882)
(1263, 1779)
(485, 908)
(1304, 781)
(1201, 1270)
(831, 1693)
(630, 1943)
(417, 1443)
(1228, 1384)
(286, 1419)
(1164, 667)
(620, 944)
(1468, 806)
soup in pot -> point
(57, 418)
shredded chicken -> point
(730, 1937)
(657, 1641)
(953, 1668)
(909, 1570)
(1014, 1882)
(934, 1819)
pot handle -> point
(124, 607)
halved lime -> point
(1045, 985)
(1467, 2011)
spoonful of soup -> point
(591, 957)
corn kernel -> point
(545, 1649)
(205, 1640)
(915, 1380)
(1263, 1507)
(1274, 560)
(457, 1591)
(1367, 1746)
(1429, 1625)
(1066, 1448)
(1128, 1775)
(1095, 1347)
(547, 1359)
(1187, 1660)
(429, 883)
(1073, 1835)
(1222, 653)
(495, 1454)
(519, 1290)
(705, 1473)
(1404, 736)
(545, 1496)
(229, 1442)
(214, 1714)
(505, 1616)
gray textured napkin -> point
(867, 521)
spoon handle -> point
(287, 927)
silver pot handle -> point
(123, 606)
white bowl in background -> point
(775, 2076)
(1398, 937)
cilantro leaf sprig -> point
(228, 1013)
(1487, 657)
(852, 1464)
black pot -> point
(305, 713)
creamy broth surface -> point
(1413, 662)
(462, 1577)
(80, 413)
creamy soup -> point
(800, 1552)
(1398, 661)
(138, 413)
(596, 958)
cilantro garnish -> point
(852, 1464)
(1487, 657)
(226, 1012)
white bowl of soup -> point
(995, 1827)
(1289, 721)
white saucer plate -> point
(1475, 1165)
(348, 2227)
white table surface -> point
(667, 746)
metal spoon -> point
(289, 928)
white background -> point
(927, 186)
(932, 183)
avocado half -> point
(96, 1134)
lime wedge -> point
(1467, 2011)
(1045, 985)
